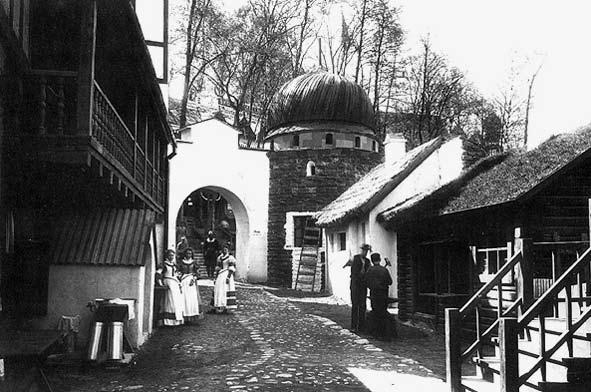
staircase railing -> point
(578, 272)
(456, 318)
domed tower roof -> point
(320, 101)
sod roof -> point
(500, 179)
(374, 186)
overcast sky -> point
(482, 37)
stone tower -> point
(322, 134)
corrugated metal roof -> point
(103, 237)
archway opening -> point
(221, 211)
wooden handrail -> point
(563, 338)
(555, 245)
(560, 284)
(478, 342)
(507, 267)
(100, 91)
(498, 249)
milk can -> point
(115, 341)
(95, 341)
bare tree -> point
(258, 60)
(362, 18)
(199, 19)
(434, 95)
(529, 103)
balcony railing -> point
(110, 131)
(50, 103)
(50, 109)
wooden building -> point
(350, 220)
(453, 239)
(84, 161)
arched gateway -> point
(209, 159)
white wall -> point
(209, 157)
(71, 287)
(441, 167)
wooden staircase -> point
(309, 258)
(513, 348)
(199, 259)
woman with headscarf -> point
(224, 290)
(190, 289)
(172, 311)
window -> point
(310, 169)
(295, 141)
(373, 146)
(328, 139)
(299, 225)
(331, 240)
(357, 142)
(342, 241)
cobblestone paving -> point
(269, 344)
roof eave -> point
(388, 187)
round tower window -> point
(310, 169)
(357, 142)
(329, 139)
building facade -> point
(84, 172)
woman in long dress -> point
(172, 312)
(224, 290)
(211, 248)
(190, 289)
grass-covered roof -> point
(374, 186)
(500, 179)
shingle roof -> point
(500, 179)
(374, 186)
(103, 237)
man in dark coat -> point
(359, 266)
(378, 280)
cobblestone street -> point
(269, 344)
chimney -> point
(394, 147)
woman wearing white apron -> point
(190, 289)
(224, 290)
(172, 311)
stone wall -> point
(290, 190)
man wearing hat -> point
(359, 267)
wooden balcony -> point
(55, 118)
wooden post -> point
(86, 69)
(525, 283)
(453, 354)
(135, 129)
(473, 270)
(508, 331)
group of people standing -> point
(366, 274)
(182, 302)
